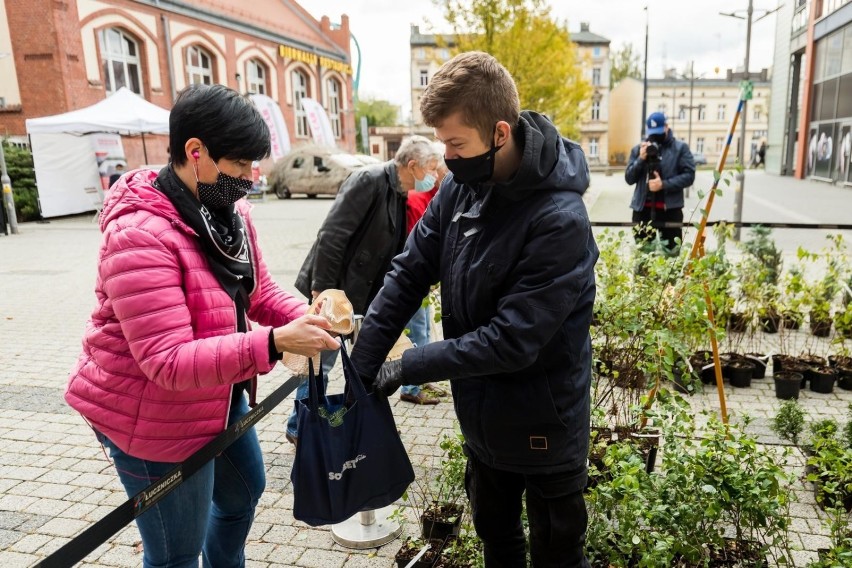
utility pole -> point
(8, 199)
(645, 80)
(691, 90)
(740, 177)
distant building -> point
(429, 52)
(71, 54)
(593, 52)
(810, 134)
(699, 112)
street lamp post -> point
(740, 176)
(645, 80)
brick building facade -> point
(63, 55)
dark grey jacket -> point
(364, 230)
(677, 169)
(516, 265)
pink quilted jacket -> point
(161, 351)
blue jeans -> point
(418, 333)
(210, 513)
(329, 358)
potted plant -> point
(821, 379)
(412, 547)
(787, 384)
(443, 512)
(789, 421)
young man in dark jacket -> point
(660, 174)
(509, 239)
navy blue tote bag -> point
(349, 457)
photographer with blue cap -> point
(661, 167)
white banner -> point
(318, 122)
(109, 152)
(279, 136)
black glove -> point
(389, 378)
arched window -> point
(334, 105)
(300, 91)
(120, 58)
(256, 77)
(199, 66)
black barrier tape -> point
(673, 225)
(80, 546)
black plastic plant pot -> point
(441, 525)
(408, 551)
(787, 385)
(760, 362)
(770, 323)
(822, 380)
(739, 373)
(820, 327)
(844, 377)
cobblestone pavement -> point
(54, 478)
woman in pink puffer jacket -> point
(169, 354)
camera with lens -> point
(652, 157)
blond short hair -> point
(475, 84)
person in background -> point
(364, 229)
(119, 171)
(509, 239)
(418, 326)
(660, 167)
(170, 358)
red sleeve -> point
(416, 206)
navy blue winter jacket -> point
(516, 265)
(677, 169)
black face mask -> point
(476, 169)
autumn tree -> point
(624, 63)
(534, 47)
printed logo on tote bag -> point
(348, 464)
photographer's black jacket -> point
(677, 170)
(516, 265)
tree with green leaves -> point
(19, 162)
(378, 112)
(624, 63)
(535, 48)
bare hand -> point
(304, 336)
(655, 184)
(642, 155)
(314, 294)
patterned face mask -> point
(226, 191)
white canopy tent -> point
(66, 166)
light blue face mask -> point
(425, 184)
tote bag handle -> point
(353, 390)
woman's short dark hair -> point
(227, 122)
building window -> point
(699, 144)
(596, 51)
(702, 115)
(199, 66)
(720, 112)
(596, 76)
(300, 91)
(256, 77)
(596, 110)
(757, 112)
(444, 54)
(720, 143)
(334, 106)
(421, 53)
(681, 115)
(661, 108)
(424, 77)
(120, 57)
(594, 148)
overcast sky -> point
(678, 31)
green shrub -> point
(789, 422)
(19, 162)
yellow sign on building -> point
(287, 52)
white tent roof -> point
(123, 112)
